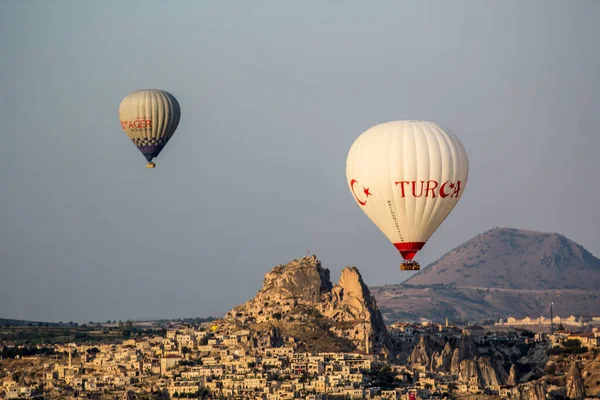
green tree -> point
(572, 343)
(527, 333)
(385, 377)
(121, 326)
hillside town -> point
(302, 336)
(204, 362)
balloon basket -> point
(150, 165)
(410, 265)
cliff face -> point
(535, 390)
(498, 366)
(420, 356)
(489, 375)
(512, 376)
(575, 387)
(300, 300)
(591, 376)
(463, 360)
(444, 360)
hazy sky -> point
(272, 94)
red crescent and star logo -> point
(365, 191)
(442, 192)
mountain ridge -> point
(516, 259)
(500, 272)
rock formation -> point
(536, 359)
(489, 375)
(466, 350)
(129, 395)
(464, 361)
(445, 359)
(512, 376)
(434, 360)
(534, 390)
(468, 371)
(300, 300)
(455, 363)
(591, 376)
(497, 361)
(575, 387)
(467, 347)
(419, 358)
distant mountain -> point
(21, 322)
(502, 271)
(515, 259)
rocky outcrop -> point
(469, 371)
(536, 359)
(455, 362)
(419, 358)
(488, 374)
(575, 386)
(535, 390)
(441, 362)
(433, 361)
(556, 392)
(478, 370)
(512, 376)
(591, 376)
(301, 295)
(497, 361)
(129, 395)
(467, 349)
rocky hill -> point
(21, 322)
(501, 272)
(512, 365)
(298, 300)
(515, 259)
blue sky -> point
(272, 95)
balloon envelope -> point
(150, 118)
(407, 176)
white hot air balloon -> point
(149, 117)
(407, 176)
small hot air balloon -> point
(150, 118)
(407, 176)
